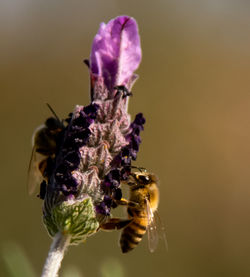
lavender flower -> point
(100, 141)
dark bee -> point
(45, 142)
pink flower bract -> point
(116, 52)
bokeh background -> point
(194, 89)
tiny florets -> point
(76, 136)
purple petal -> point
(116, 52)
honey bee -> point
(45, 142)
(145, 193)
(142, 213)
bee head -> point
(142, 177)
(53, 123)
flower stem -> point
(55, 256)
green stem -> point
(56, 254)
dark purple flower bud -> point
(125, 152)
(82, 122)
(133, 154)
(115, 174)
(136, 129)
(110, 182)
(102, 209)
(72, 159)
(125, 172)
(135, 142)
(117, 194)
(91, 110)
(107, 200)
(126, 161)
(117, 161)
(76, 138)
(139, 119)
(62, 170)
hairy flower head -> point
(100, 141)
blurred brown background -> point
(194, 89)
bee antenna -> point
(139, 168)
(50, 108)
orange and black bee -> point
(142, 213)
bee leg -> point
(125, 202)
(115, 223)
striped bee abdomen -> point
(142, 203)
(133, 234)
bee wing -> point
(161, 229)
(34, 175)
(153, 237)
(155, 229)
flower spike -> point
(99, 141)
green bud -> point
(76, 218)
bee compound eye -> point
(144, 179)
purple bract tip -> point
(116, 52)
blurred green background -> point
(194, 89)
